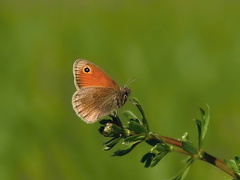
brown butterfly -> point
(97, 94)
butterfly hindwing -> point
(91, 103)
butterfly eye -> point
(86, 69)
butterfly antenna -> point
(130, 81)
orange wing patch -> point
(89, 75)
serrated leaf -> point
(136, 127)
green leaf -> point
(153, 142)
(146, 156)
(105, 121)
(160, 147)
(188, 145)
(182, 174)
(155, 155)
(237, 160)
(202, 125)
(147, 159)
(111, 130)
(154, 139)
(136, 127)
(111, 143)
(205, 121)
(116, 120)
(157, 158)
(107, 131)
(117, 129)
(124, 151)
(234, 164)
(199, 126)
(130, 115)
(144, 119)
(131, 140)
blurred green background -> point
(186, 54)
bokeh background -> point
(185, 54)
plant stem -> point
(219, 163)
(205, 156)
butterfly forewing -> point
(96, 77)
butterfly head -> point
(125, 93)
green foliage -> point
(137, 131)
(111, 143)
(202, 125)
(188, 146)
(183, 173)
(156, 154)
(151, 159)
(137, 127)
(234, 164)
(131, 140)
(125, 150)
(143, 121)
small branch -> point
(181, 151)
(205, 156)
(171, 141)
(219, 163)
(137, 131)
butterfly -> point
(97, 95)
